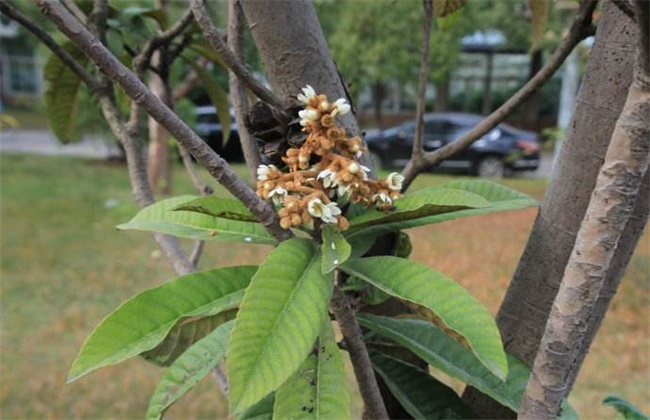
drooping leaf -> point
(263, 410)
(225, 208)
(422, 395)
(159, 15)
(279, 319)
(411, 209)
(202, 47)
(62, 94)
(500, 198)
(335, 249)
(453, 306)
(319, 388)
(143, 321)
(442, 8)
(186, 332)
(189, 369)
(625, 408)
(539, 18)
(162, 217)
(218, 97)
(444, 353)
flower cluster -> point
(323, 171)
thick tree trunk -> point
(523, 315)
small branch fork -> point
(580, 28)
(118, 73)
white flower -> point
(277, 194)
(381, 198)
(342, 107)
(309, 114)
(263, 171)
(328, 178)
(343, 189)
(326, 212)
(307, 93)
(395, 181)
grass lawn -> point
(64, 267)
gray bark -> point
(523, 315)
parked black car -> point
(503, 149)
(209, 128)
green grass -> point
(64, 267)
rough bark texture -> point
(522, 316)
(610, 207)
(293, 49)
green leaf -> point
(452, 305)
(202, 47)
(62, 94)
(335, 249)
(225, 208)
(183, 335)
(158, 15)
(143, 321)
(500, 198)
(263, 410)
(442, 8)
(625, 408)
(412, 208)
(279, 319)
(189, 369)
(161, 217)
(218, 97)
(444, 353)
(422, 395)
(319, 388)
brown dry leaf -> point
(427, 314)
(442, 8)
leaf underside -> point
(278, 321)
(161, 217)
(319, 388)
(142, 322)
(454, 307)
(189, 369)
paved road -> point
(44, 143)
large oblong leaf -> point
(499, 197)
(453, 306)
(319, 388)
(143, 321)
(422, 395)
(225, 208)
(164, 218)
(62, 94)
(335, 249)
(279, 319)
(189, 369)
(444, 353)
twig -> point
(197, 250)
(46, 39)
(610, 206)
(215, 38)
(581, 22)
(626, 7)
(188, 83)
(97, 19)
(118, 73)
(75, 10)
(418, 152)
(237, 88)
(351, 331)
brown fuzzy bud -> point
(285, 222)
(327, 120)
(306, 218)
(283, 212)
(343, 223)
(296, 220)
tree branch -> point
(417, 153)
(213, 36)
(351, 331)
(75, 10)
(238, 90)
(627, 8)
(118, 73)
(46, 39)
(611, 204)
(581, 22)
